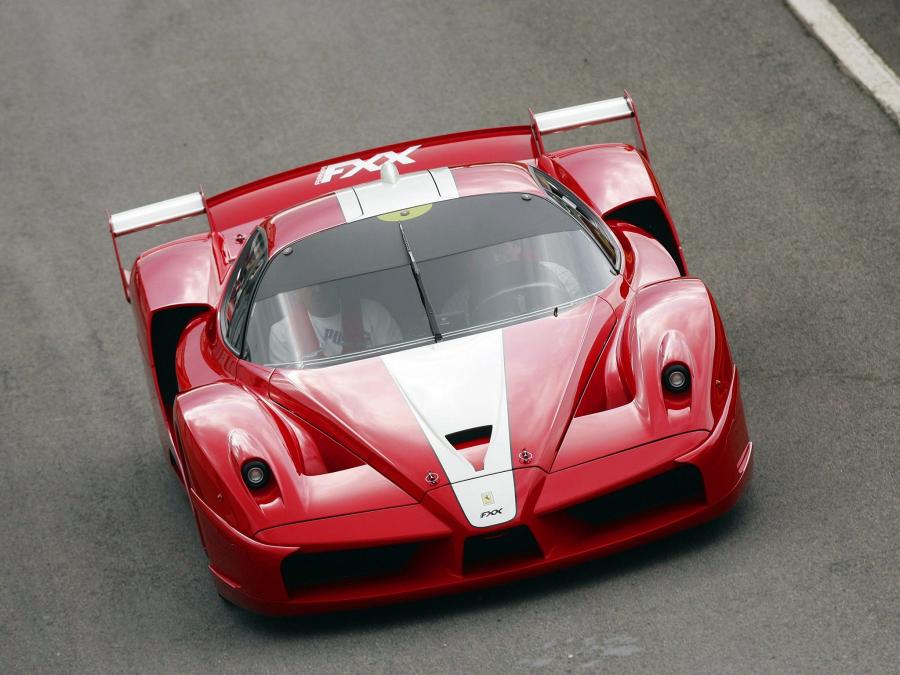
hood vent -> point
(472, 444)
(469, 437)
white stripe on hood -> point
(455, 385)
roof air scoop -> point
(389, 173)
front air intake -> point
(506, 547)
(682, 485)
(301, 571)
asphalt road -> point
(878, 22)
(782, 176)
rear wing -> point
(587, 115)
(152, 215)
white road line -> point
(852, 52)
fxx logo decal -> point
(353, 166)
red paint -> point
(348, 459)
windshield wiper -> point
(429, 310)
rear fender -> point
(178, 274)
(170, 286)
(617, 181)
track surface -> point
(783, 179)
(878, 22)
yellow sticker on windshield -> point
(405, 214)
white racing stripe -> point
(456, 385)
(851, 51)
(399, 192)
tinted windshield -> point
(481, 261)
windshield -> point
(415, 276)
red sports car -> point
(435, 366)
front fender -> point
(676, 321)
(625, 404)
(221, 426)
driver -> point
(317, 321)
(508, 252)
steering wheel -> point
(503, 304)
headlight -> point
(256, 474)
(677, 378)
